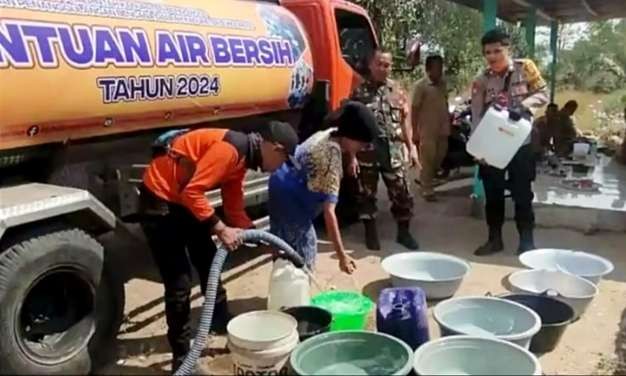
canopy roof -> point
(565, 11)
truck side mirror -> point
(412, 57)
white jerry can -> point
(289, 286)
(498, 137)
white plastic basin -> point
(573, 290)
(488, 317)
(466, 355)
(583, 264)
(438, 274)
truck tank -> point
(75, 70)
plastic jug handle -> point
(550, 293)
(297, 261)
(515, 115)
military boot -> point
(526, 240)
(371, 235)
(405, 238)
(493, 245)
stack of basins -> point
(470, 326)
(545, 301)
(510, 328)
(560, 286)
(344, 347)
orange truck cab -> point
(85, 88)
(341, 35)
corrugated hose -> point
(206, 316)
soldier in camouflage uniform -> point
(518, 86)
(386, 155)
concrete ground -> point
(593, 345)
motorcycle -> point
(457, 155)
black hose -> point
(206, 316)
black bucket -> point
(311, 320)
(555, 317)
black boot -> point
(371, 235)
(526, 240)
(493, 245)
(405, 238)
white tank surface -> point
(80, 69)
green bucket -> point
(349, 309)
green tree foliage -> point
(596, 62)
(445, 28)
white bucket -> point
(581, 149)
(261, 342)
(272, 361)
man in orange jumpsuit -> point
(179, 220)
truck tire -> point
(58, 300)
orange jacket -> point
(211, 162)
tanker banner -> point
(120, 52)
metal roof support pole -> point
(490, 12)
(530, 25)
(554, 37)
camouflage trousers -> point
(397, 184)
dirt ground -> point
(593, 345)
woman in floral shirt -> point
(298, 194)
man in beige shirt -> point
(431, 122)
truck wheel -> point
(57, 301)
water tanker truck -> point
(85, 87)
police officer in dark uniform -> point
(518, 86)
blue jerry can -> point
(403, 313)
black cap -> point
(281, 133)
(355, 121)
